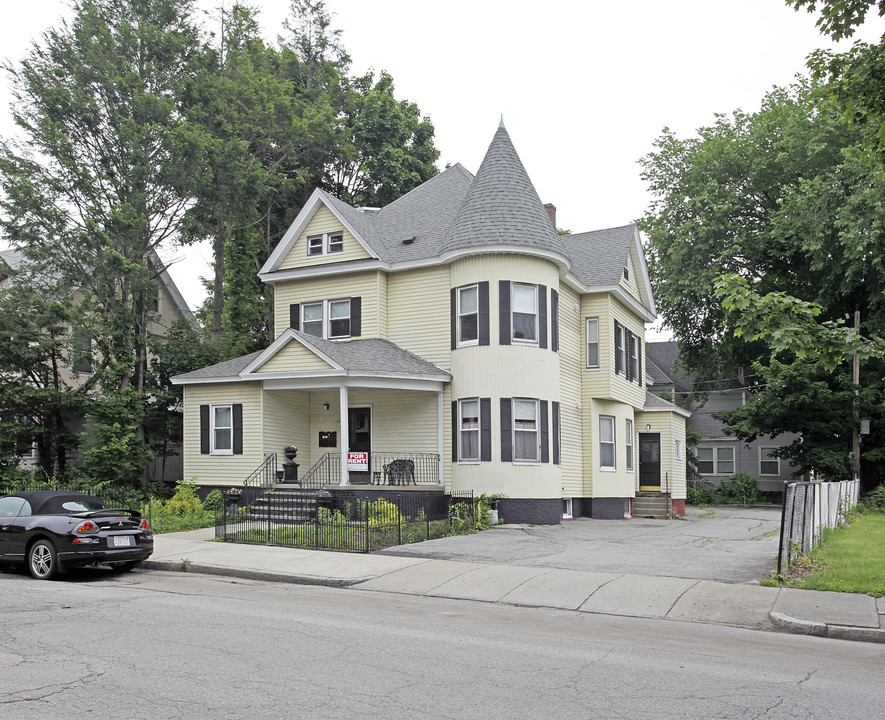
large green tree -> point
(788, 198)
(97, 180)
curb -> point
(819, 629)
(266, 575)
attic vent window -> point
(626, 273)
(409, 240)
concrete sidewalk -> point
(825, 614)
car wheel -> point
(43, 560)
(125, 566)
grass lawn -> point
(851, 559)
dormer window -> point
(325, 244)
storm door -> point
(650, 462)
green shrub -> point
(873, 501)
(699, 495)
(740, 488)
(184, 501)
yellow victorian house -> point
(450, 341)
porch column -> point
(440, 439)
(345, 434)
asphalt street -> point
(169, 645)
(736, 545)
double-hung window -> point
(769, 462)
(524, 311)
(526, 440)
(327, 319)
(312, 319)
(468, 422)
(633, 357)
(592, 343)
(620, 354)
(222, 430)
(468, 315)
(629, 438)
(607, 442)
(325, 244)
(339, 319)
(81, 352)
(715, 460)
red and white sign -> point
(358, 462)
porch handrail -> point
(265, 475)
(325, 471)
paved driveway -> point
(727, 544)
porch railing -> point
(264, 476)
(398, 468)
(325, 472)
(385, 468)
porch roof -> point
(655, 403)
(370, 358)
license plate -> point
(121, 541)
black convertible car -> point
(53, 530)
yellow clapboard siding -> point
(323, 221)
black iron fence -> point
(808, 507)
(344, 520)
(113, 497)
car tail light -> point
(144, 525)
(86, 527)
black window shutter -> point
(454, 431)
(640, 379)
(556, 439)
(616, 344)
(238, 429)
(453, 315)
(295, 316)
(204, 429)
(506, 431)
(545, 433)
(554, 320)
(504, 312)
(542, 316)
(485, 429)
(356, 316)
(484, 312)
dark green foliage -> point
(787, 202)
(873, 501)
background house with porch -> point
(451, 339)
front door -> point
(650, 462)
(360, 434)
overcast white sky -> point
(584, 87)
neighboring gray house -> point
(719, 455)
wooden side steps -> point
(652, 505)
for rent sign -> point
(358, 462)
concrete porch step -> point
(651, 506)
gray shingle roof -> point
(373, 356)
(655, 402)
(370, 356)
(598, 257)
(664, 355)
(501, 205)
(226, 369)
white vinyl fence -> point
(808, 508)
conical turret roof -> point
(502, 206)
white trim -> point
(769, 459)
(353, 266)
(613, 443)
(440, 435)
(344, 419)
(630, 445)
(212, 427)
(465, 343)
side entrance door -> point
(650, 462)
(360, 434)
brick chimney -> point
(551, 212)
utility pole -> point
(855, 376)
